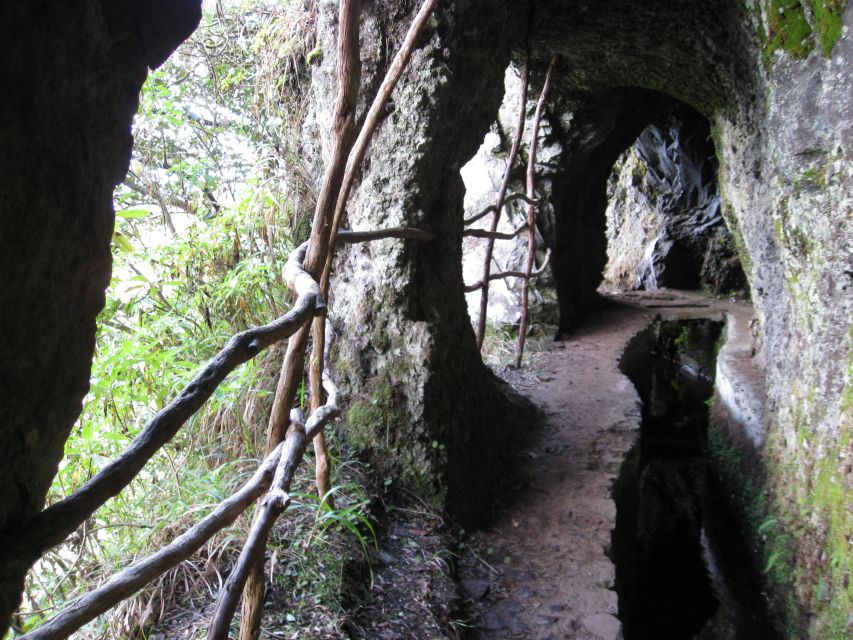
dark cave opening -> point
(637, 203)
(683, 570)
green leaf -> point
(121, 243)
(133, 214)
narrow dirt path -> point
(541, 571)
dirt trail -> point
(541, 570)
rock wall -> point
(421, 405)
(773, 79)
(70, 79)
(787, 181)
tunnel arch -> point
(620, 63)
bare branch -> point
(320, 253)
(490, 247)
(126, 583)
(272, 507)
(512, 274)
(57, 522)
(252, 554)
(374, 115)
(531, 210)
(406, 233)
(493, 235)
(492, 208)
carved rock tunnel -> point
(772, 124)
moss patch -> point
(827, 22)
(396, 453)
(740, 473)
(788, 28)
(798, 26)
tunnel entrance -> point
(664, 223)
(682, 569)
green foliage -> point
(204, 224)
(788, 28)
(771, 543)
(828, 26)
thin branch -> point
(126, 583)
(492, 208)
(252, 554)
(320, 252)
(531, 210)
(406, 233)
(490, 247)
(57, 522)
(493, 235)
(511, 274)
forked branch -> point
(512, 274)
(272, 507)
(492, 208)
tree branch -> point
(513, 154)
(493, 235)
(531, 210)
(374, 115)
(492, 208)
(406, 233)
(511, 274)
(126, 583)
(320, 252)
(272, 507)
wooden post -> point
(490, 247)
(531, 211)
(374, 115)
(343, 135)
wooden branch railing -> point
(531, 210)
(492, 208)
(321, 245)
(272, 507)
(354, 162)
(130, 580)
(307, 272)
(274, 503)
(499, 204)
(512, 274)
(53, 525)
(330, 200)
(275, 471)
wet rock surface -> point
(664, 226)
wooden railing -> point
(307, 273)
(496, 209)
